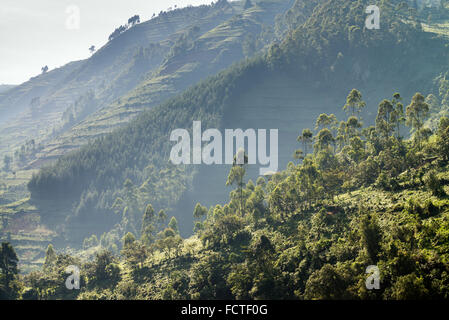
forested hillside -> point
(180, 47)
(362, 179)
(361, 196)
(321, 55)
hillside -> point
(199, 41)
(311, 231)
(200, 51)
(96, 173)
(362, 182)
(52, 103)
(5, 87)
(104, 188)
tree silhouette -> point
(134, 20)
(417, 112)
(306, 139)
(237, 173)
(147, 231)
(354, 102)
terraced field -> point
(217, 45)
(211, 51)
(34, 110)
(20, 225)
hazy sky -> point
(35, 33)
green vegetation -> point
(368, 186)
(150, 57)
(318, 49)
(308, 232)
(79, 89)
(9, 287)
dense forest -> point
(357, 196)
(320, 51)
(363, 189)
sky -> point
(35, 33)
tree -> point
(357, 149)
(306, 139)
(370, 236)
(308, 177)
(161, 218)
(169, 239)
(134, 251)
(199, 211)
(90, 242)
(263, 248)
(92, 49)
(173, 224)
(134, 20)
(352, 128)
(384, 125)
(417, 112)
(298, 154)
(118, 31)
(434, 184)
(409, 287)
(44, 69)
(237, 173)
(104, 271)
(8, 268)
(249, 46)
(147, 231)
(324, 139)
(128, 240)
(443, 138)
(342, 138)
(326, 283)
(325, 121)
(354, 102)
(397, 115)
(50, 257)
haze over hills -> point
(292, 76)
(285, 87)
(65, 108)
(5, 87)
(362, 178)
(49, 105)
(199, 52)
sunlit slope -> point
(289, 105)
